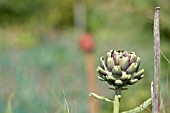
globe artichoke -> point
(120, 68)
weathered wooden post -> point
(87, 44)
(79, 16)
(156, 82)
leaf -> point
(101, 98)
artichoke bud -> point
(118, 82)
(139, 74)
(101, 71)
(132, 68)
(120, 68)
(124, 63)
(116, 70)
(125, 77)
(110, 63)
(133, 81)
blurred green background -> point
(40, 56)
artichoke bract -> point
(120, 68)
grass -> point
(9, 104)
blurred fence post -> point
(156, 81)
(87, 45)
(79, 16)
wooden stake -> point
(92, 81)
(87, 44)
(156, 84)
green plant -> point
(120, 69)
(9, 104)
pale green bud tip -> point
(133, 58)
(109, 54)
(116, 70)
(101, 71)
(110, 63)
(100, 78)
(139, 74)
(118, 82)
(138, 60)
(125, 77)
(124, 63)
(119, 96)
(133, 81)
(132, 68)
(142, 76)
(110, 78)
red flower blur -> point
(87, 43)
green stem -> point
(117, 100)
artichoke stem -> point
(117, 100)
